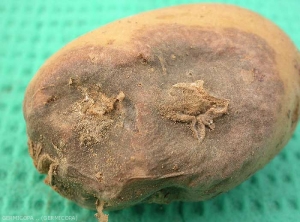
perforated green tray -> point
(32, 30)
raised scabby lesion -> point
(190, 103)
(94, 113)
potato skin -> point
(94, 112)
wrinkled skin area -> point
(98, 122)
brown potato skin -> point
(94, 109)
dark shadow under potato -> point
(190, 102)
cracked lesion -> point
(44, 162)
(190, 103)
(98, 104)
(94, 113)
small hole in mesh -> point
(159, 209)
(46, 55)
(83, 9)
(16, 53)
(253, 180)
(6, 37)
(180, 209)
(111, 7)
(56, 9)
(24, 23)
(57, 206)
(138, 209)
(20, 39)
(31, 55)
(14, 8)
(238, 205)
(21, 89)
(2, 106)
(35, 38)
(287, 178)
(219, 206)
(37, 178)
(10, 23)
(39, 25)
(6, 89)
(50, 39)
(198, 208)
(218, 203)
(276, 205)
(38, 205)
(21, 175)
(41, 9)
(15, 202)
(23, 151)
(7, 149)
(75, 208)
(16, 109)
(28, 9)
(81, 23)
(11, 69)
(271, 178)
(53, 23)
(2, 54)
(12, 126)
(283, 156)
(67, 23)
(257, 205)
(294, 204)
(116, 212)
(3, 174)
(70, 10)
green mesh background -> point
(32, 30)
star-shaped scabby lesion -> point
(190, 103)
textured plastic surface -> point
(30, 31)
